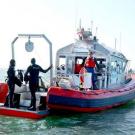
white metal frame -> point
(35, 36)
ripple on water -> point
(117, 121)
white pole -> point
(51, 61)
(12, 47)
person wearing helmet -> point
(33, 71)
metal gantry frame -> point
(35, 36)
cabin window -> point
(70, 65)
(124, 65)
(62, 60)
(100, 65)
(117, 69)
(79, 63)
(113, 65)
(61, 64)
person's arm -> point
(46, 70)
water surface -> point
(116, 121)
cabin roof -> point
(81, 46)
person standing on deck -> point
(33, 71)
(90, 65)
(11, 83)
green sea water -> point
(116, 121)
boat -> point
(22, 96)
(113, 87)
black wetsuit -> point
(11, 84)
(34, 70)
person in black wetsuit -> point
(33, 71)
(11, 83)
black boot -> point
(30, 105)
(11, 105)
(7, 101)
(32, 108)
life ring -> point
(82, 72)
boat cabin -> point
(110, 68)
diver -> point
(12, 80)
(33, 78)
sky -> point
(59, 20)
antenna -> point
(115, 42)
(120, 41)
(96, 31)
(91, 26)
(80, 24)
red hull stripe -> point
(79, 109)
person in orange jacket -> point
(90, 65)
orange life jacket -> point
(89, 62)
